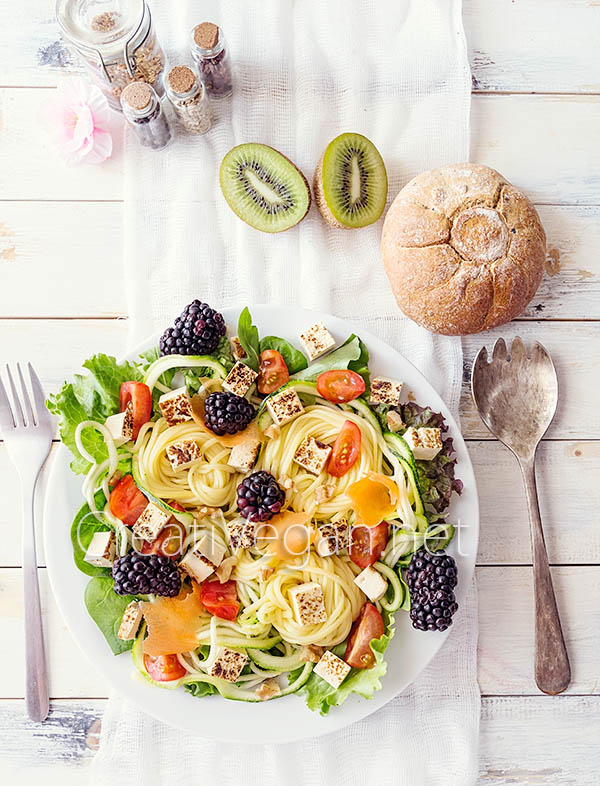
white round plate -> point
(286, 719)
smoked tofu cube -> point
(317, 340)
(228, 664)
(237, 350)
(331, 538)
(308, 603)
(385, 391)
(312, 455)
(243, 456)
(372, 583)
(242, 533)
(284, 406)
(176, 406)
(120, 426)
(202, 561)
(183, 454)
(130, 621)
(394, 421)
(150, 523)
(240, 379)
(425, 443)
(332, 669)
(101, 551)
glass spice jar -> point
(188, 98)
(115, 40)
(143, 110)
(210, 53)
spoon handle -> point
(552, 670)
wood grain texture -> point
(533, 47)
(563, 470)
(544, 144)
(505, 639)
(33, 234)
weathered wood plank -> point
(533, 47)
(77, 249)
(533, 741)
(505, 639)
(519, 135)
(58, 346)
(504, 53)
(574, 350)
(539, 741)
(563, 469)
(33, 233)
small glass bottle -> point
(188, 98)
(144, 112)
(115, 40)
(210, 53)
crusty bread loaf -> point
(464, 250)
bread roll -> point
(464, 250)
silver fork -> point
(27, 431)
(516, 396)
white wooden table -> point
(536, 118)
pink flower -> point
(77, 118)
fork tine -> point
(7, 420)
(499, 351)
(30, 417)
(517, 350)
(17, 411)
(42, 413)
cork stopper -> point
(137, 95)
(206, 35)
(181, 79)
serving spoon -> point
(516, 397)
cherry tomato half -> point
(141, 401)
(368, 626)
(346, 450)
(169, 541)
(367, 544)
(340, 386)
(220, 599)
(126, 501)
(273, 372)
(164, 668)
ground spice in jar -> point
(188, 97)
(104, 22)
(210, 53)
(144, 112)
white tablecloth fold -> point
(305, 71)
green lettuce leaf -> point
(92, 396)
(353, 354)
(84, 527)
(106, 608)
(294, 359)
(200, 689)
(321, 696)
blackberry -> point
(226, 413)
(259, 496)
(142, 574)
(197, 331)
(431, 580)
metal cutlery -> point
(516, 396)
(26, 426)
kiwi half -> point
(350, 184)
(263, 187)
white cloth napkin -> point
(305, 71)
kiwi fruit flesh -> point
(350, 184)
(263, 187)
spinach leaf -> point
(84, 527)
(294, 359)
(248, 336)
(352, 351)
(106, 609)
